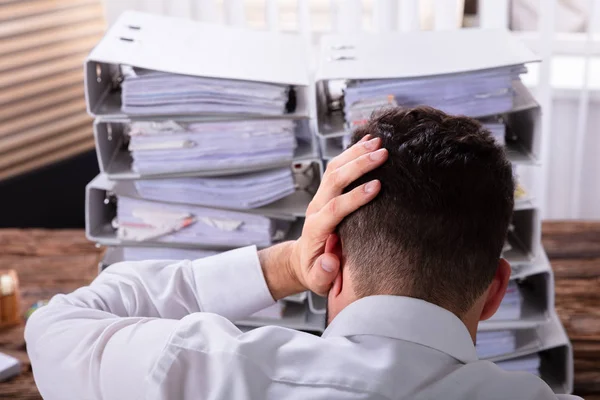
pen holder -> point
(9, 299)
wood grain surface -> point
(50, 262)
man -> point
(404, 236)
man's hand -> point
(306, 263)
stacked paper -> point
(530, 363)
(170, 147)
(146, 92)
(510, 308)
(244, 191)
(475, 94)
(495, 343)
(141, 221)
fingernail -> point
(377, 155)
(371, 186)
(327, 265)
(372, 144)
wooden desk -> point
(50, 262)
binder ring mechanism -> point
(110, 198)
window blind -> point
(42, 108)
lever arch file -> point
(247, 70)
(501, 344)
(358, 73)
(523, 236)
(181, 151)
(115, 255)
(517, 130)
(532, 299)
(135, 222)
(282, 193)
(551, 358)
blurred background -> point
(46, 142)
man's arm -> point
(102, 341)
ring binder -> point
(523, 236)
(101, 229)
(536, 287)
(523, 129)
(252, 56)
(116, 161)
(306, 179)
(555, 356)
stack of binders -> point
(203, 145)
(474, 73)
(206, 145)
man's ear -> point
(334, 246)
(496, 290)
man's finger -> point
(364, 146)
(328, 218)
(323, 272)
(333, 184)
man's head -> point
(437, 228)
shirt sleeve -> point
(101, 341)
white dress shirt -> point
(162, 330)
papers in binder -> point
(475, 94)
(163, 253)
(146, 92)
(495, 343)
(530, 363)
(510, 307)
(170, 147)
(141, 220)
(237, 191)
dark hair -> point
(437, 228)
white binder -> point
(115, 159)
(115, 255)
(101, 211)
(536, 285)
(556, 354)
(187, 47)
(306, 174)
(523, 130)
(402, 55)
(363, 56)
(524, 236)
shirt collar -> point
(406, 318)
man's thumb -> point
(324, 271)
